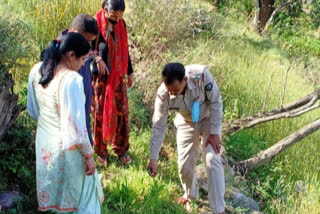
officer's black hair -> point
(114, 5)
(172, 72)
(84, 23)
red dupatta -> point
(118, 54)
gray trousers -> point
(188, 135)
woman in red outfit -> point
(111, 113)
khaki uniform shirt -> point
(201, 87)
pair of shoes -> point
(125, 158)
(103, 161)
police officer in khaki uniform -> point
(194, 94)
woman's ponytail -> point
(51, 56)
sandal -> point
(125, 159)
(181, 200)
(185, 202)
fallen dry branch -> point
(294, 109)
(268, 154)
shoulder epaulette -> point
(195, 72)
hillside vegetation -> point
(191, 32)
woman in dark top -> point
(111, 116)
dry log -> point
(268, 154)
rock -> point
(256, 212)
(253, 205)
(237, 199)
(9, 200)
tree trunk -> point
(9, 109)
(263, 11)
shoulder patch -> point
(209, 86)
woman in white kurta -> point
(67, 179)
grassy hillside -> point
(243, 63)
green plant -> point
(17, 166)
(157, 31)
(139, 115)
(315, 11)
(242, 64)
(232, 112)
(14, 48)
(236, 8)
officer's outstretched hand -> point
(214, 141)
(152, 168)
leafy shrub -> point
(315, 11)
(294, 9)
(17, 166)
(157, 25)
(236, 8)
(30, 25)
(47, 18)
(139, 115)
(15, 46)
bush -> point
(17, 166)
(47, 18)
(157, 25)
(140, 117)
(236, 8)
(15, 47)
(315, 11)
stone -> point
(9, 200)
(239, 200)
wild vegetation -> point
(250, 69)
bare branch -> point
(296, 104)
(294, 109)
(306, 110)
(268, 154)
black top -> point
(103, 51)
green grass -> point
(242, 63)
(132, 190)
